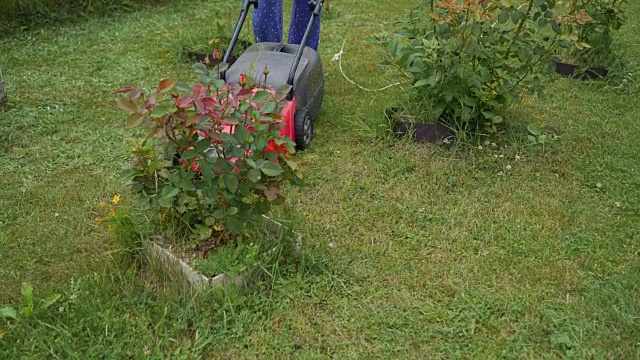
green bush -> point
(471, 60)
(593, 23)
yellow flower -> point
(217, 228)
(116, 199)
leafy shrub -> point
(191, 167)
(590, 23)
(472, 59)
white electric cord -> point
(338, 57)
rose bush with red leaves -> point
(213, 153)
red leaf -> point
(199, 91)
(124, 89)
(235, 91)
(134, 94)
(166, 85)
(213, 115)
(245, 92)
(209, 103)
(233, 102)
(185, 102)
(200, 106)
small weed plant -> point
(29, 305)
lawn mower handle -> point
(317, 6)
(236, 32)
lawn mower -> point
(288, 64)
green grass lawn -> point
(412, 251)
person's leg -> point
(267, 21)
(300, 16)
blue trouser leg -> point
(267, 23)
(299, 20)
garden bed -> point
(179, 262)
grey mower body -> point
(278, 58)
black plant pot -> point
(422, 133)
(577, 72)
